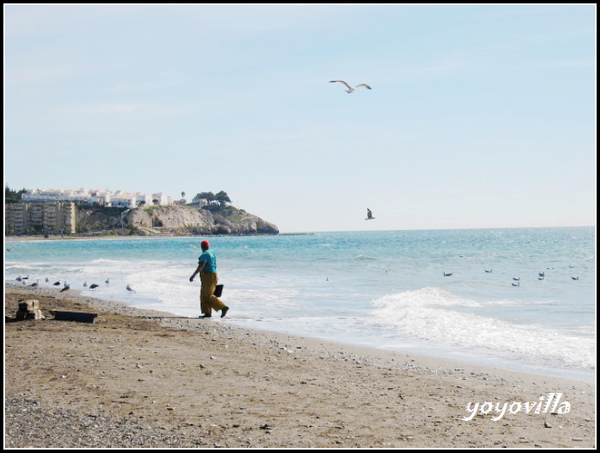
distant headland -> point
(57, 213)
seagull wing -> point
(363, 85)
(341, 81)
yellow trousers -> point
(208, 301)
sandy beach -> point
(137, 378)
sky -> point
(479, 116)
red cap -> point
(205, 244)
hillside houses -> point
(96, 196)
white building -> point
(122, 199)
(161, 199)
(101, 197)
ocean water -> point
(379, 289)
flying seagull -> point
(369, 215)
(350, 89)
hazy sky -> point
(480, 116)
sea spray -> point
(433, 314)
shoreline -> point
(250, 380)
(123, 307)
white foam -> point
(431, 314)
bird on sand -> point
(66, 287)
(129, 288)
(351, 89)
(369, 215)
(447, 274)
(93, 285)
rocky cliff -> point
(173, 220)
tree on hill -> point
(13, 196)
(221, 198)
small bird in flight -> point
(369, 215)
(351, 89)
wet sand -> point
(139, 378)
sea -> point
(520, 299)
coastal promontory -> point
(171, 220)
(95, 212)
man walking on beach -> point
(207, 268)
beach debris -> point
(74, 316)
(351, 89)
(29, 309)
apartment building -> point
(40, 218)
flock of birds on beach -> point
(66, 285)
